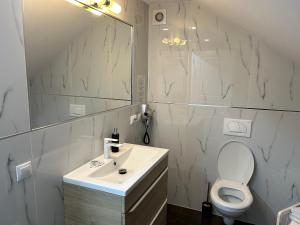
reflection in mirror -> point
(78, 63)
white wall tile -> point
(14, 108)
(17, 199)
(194, 134)
(56, 150)
(60, 149)
(232, 68)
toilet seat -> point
(235, 162)
(236, 189)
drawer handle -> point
(159, 211)
(148, 191)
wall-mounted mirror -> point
(78, 63)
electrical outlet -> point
(133, 119)
(139, 117)
(23, 171)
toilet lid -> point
(236, 162)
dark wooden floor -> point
(182, 216)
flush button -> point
(77, 110)
(237, 127)
(23, 171)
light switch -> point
(23, 171)
(237, 127)
(77, 110)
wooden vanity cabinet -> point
(144, 205)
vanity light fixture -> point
(194, 28)
(107, 5)
(98, 7)
(83, 4)
(207, 40)
(115, 7)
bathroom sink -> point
(103, 174)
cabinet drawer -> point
(85, 207)
(161, 216)
(143, 186)
(147, 207)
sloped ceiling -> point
(277, 22)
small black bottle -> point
(115, 135)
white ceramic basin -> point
(103, 174)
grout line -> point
(224, 106)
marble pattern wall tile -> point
(17, 199)
(220, 64)
(14, 113)
(194, 134)
(52, 91)
(60, 149)
(135, 12)
(94, 70)
(14, 109)
(274, 82)
(51, 159)
(96, 63)
(169, 73)
(56, 150)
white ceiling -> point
(277, 22)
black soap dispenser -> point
(115, 135)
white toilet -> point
(230, 194)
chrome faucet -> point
(108, 142)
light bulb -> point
(183, 42)
(177, 41)
(115, 7)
